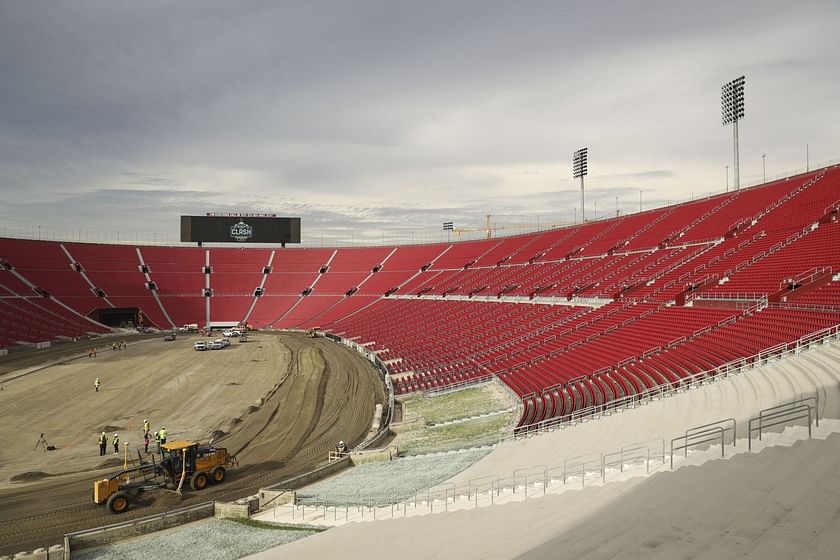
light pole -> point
(640, 200)
(447, 227)
(616, 207)
(763, 168)
(732, 110)
(579, 169)
(727, 178)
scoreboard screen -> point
(240, 228)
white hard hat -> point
(115, 433)
(341, 442)
(145, 420)
(103, 433)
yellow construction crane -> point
(489, 228)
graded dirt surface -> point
(280, 402)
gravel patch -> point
(214, 539)
(390, 481)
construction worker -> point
(157, 441)
(146, 439)
(116, 444)
(103, 444)
(146, 426)
(96, 384)
(162, 435)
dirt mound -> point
(110, 428)
(162, 497)
(217, 434)
(29, 476)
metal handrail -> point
(630, 453)
(581, 462)
(785, 413)
(691, 432)
(711, 435)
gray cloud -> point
(375, 116)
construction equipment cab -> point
(181, 461)
(201, 464)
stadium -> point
(575, 324)
(651, 381)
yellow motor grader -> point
(180, 461)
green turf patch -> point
(473, 401)
(416, 438)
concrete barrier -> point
(374, 455)
(55, 552)
(273, 494)
(135, 527)
(276, 497)
(240, 509)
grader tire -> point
(198, 481)
(218, 474)
(117, 502)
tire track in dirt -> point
(270, 396)
(325, 393)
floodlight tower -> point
(579, 169)
(732, 110)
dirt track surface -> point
(280, 402)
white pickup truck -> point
(189, 327)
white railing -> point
(666, 389)
(527, 482)
(487, 489)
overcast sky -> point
(379, 119)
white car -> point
(216, 345)
(200, 345)
(223, 341)
(232, 332)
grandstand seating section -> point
(567, 318)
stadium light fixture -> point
(764, 167)
(732, 110)
(448, 227)
(579, 170)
